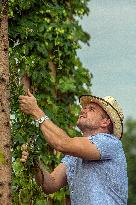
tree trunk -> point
(5, 140)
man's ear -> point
(105, 122)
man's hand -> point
(28, 103)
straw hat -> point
(112, 108)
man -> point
(94, 166)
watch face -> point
(41, 120)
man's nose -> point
(84, 110)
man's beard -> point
(87, 126)
(84, 126)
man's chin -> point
(83, 126)
(80, 126)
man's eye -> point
(91, 109)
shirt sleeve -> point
(69, 162)
(107, 146)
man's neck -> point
(88, 133)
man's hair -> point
(110, 126)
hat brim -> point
(108, 108)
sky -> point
(111, 56)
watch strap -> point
(41, 120)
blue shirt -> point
(99, 182)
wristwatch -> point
(41, 120)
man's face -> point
(90, 117)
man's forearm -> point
(44, 179)
(54, 135)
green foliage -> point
(129, 142)
(41, 32)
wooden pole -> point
(5, 139)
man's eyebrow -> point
(90, 106)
